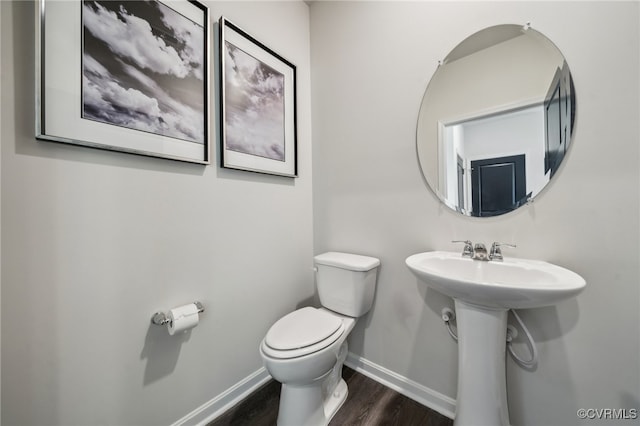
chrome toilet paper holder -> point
(160, 318)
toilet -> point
(305, 349)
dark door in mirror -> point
(498, 185)
(559, 118)
(460, 173)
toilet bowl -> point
(305, 350)
(310, 393)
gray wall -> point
(371, 63)
(94, 242)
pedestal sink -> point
(483, 293)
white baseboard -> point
(407, 387)
(223, 402)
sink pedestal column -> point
(482, 386)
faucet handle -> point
(496, 252)
(467, 251)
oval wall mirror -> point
(496, 121)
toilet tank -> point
(346, 282)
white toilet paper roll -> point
(182, 318)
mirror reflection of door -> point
(498, 185)
(514, 132)
(460, 163)
(558, 117)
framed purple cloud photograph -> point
(130, 76)
(258, 105)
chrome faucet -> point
(467, 251)
(496, 253)
(477, 252)
(480, 252)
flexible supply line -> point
(532, 346)
(448, 316)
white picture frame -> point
(95, 89)
(257, 107)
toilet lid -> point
(302, 328)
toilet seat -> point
(302, 332)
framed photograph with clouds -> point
(129, 76)
(258, 105)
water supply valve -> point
(448, 314)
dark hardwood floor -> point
(369, 403)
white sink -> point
(483, 293)
(511, 283)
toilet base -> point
(333, 402)
(305, 405)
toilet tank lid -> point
(353, 262)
